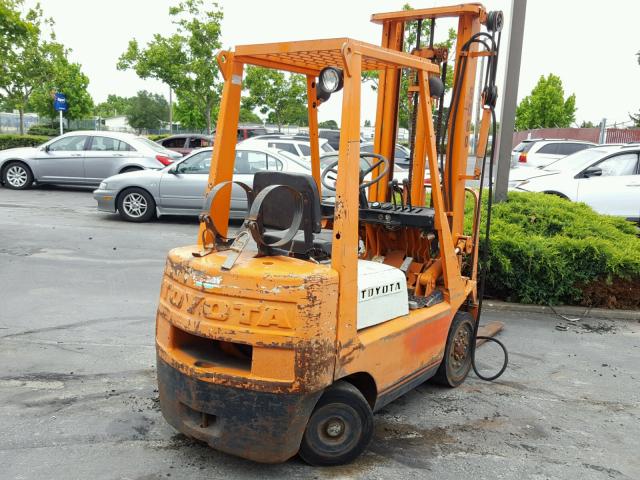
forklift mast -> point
(470, 16)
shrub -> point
(545, 249)
(13, 141)
(155, 138)
(48, 130)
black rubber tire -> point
(342, 406)
(148, 214)
(24, 167)
(452, 370)
(130, 169)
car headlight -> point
(103, 186)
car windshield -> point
(578, 160)
(523, 147)
(153, 145)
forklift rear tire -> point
(340, 427)
(456, 363)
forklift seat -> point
(278, 211)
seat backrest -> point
(278, 208)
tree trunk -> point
(21, 111)
(207, 115)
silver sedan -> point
(179, 189)
(81, 158)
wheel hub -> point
(334, 428)
(460, 348)
(17, 176)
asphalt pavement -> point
(78, 399)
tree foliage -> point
(114, 105)
(147, 111)
(65, 77)
(332, 124)
(184, 60)
(281, 97)
(34, 65)
(546, 106)
(587, 124)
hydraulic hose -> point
(489, 100)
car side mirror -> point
(592, 172)
(46, 148)
(173, 170)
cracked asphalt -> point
(78, 398)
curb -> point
(586, 312)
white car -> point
(536, 152)
(607, 178)
(297, 145)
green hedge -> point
(13, 141)
(545, 249)
(48, 130)
(155, 138)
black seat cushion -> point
(321, 242)
(278, 211)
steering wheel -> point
(333, 168)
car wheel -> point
(136, 205)
(17, 176)
(456, 363)
(340, 427)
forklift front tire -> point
(340, 427)
(456, 363)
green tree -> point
(367, 123)
(546, 106)
(112, 107)
(13, 28)
(247, 116)
(282, 97)
(147, 111)
(26, 63)
(587, 124)
(65, 77)
(635, 119)
(332, 124)
(185, 61)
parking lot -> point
(78, 399)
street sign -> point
(60, 102)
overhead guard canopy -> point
(310, 56)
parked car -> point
(400, 153)
(332, 136)
(179, 189)
(247, 131)
(297, 145)
(605, 177)
(539, 152)
(81, 158)
(186, 143)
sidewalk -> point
(584, 312)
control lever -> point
(393, 185)
(407, 188)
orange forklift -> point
(287, 337)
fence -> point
(612, 135)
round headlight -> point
(331, 79)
